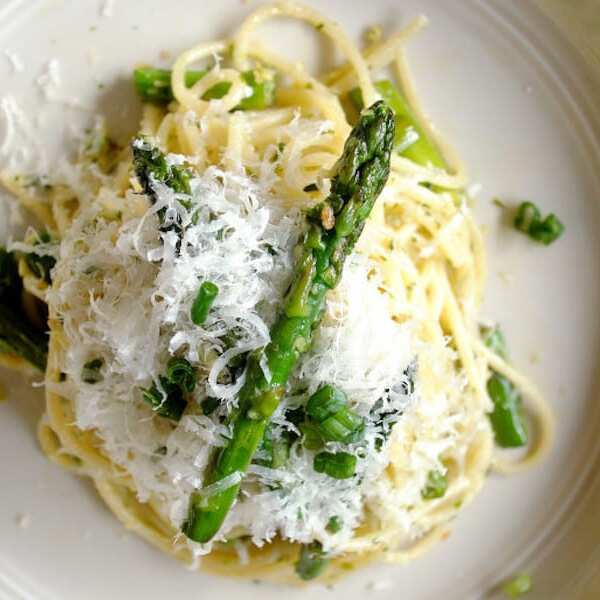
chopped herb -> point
(507, 417)
(498, 203)
(436, 486)
(311, 438)
(311, 187)
(334, 524)
(319, 26)
(180, 372)
(529, 220)
(384, 420)
(168, 398)
(334, 420)
(311, 562)
(207, 293)
(166, 401)
(339, 465)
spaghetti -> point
(420, 260)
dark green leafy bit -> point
(529, 220)
(334, 228)
(336, 422)
(518, 586)
(154, 85)
(384, 419)
(312, 561)
(436, 486)
(207, 292)
(180, 372)
(339, 465)
(334, 525)
(168, 398)
(91, 372)
(17, 335)
(508, 418)
(151, 165)
(41, 265)
(311, 187)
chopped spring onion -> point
(311, 437)
(335, 421)
(507, 417)
(334, 524)
(180, 372)
(325, 402)
(166, 401)
(436, 486)
(311, 562)
(339, 465)
(508, 420)
(529, 220)
(204, 300)
(91, 371)
(344, 426)
(520, 585)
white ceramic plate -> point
(517, 100)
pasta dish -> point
(265, 346)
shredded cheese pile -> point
(125, 292)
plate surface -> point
(502, 83)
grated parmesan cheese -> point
(124, 291)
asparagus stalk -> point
(334, 227)
(150, 164)
(17, 335)
(154, 85)
(411, 140)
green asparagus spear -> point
(411, 140)
(17, 335)
(150, 164)
(154, 85)
(334, 227)
(507, 417)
